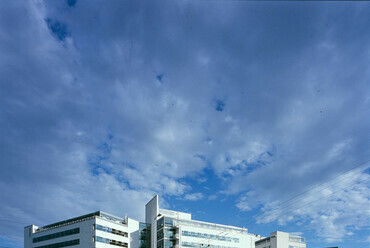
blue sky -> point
(244, 113)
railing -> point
(296, 239)
(100, 214)
(42, 229)
(212, 226)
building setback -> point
(162, 229)
(85, 231)
(281, 239)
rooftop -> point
(100, 214)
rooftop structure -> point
(281, 240)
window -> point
(210, 236)
(168, 222)
(56, 235)
(111, 230)
(111, 241)
(202, 245)
(61, 244)
(160, 223)
(296, 239)
(160, 244)
(160, 235)
(144, 235)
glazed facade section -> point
(167, 233)
(57, 235)
(61, 244)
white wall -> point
(281, 240)
(86, 235)
(111, 224)
(246, 240)
(151, 213)
(28, 232)
(175, 214)
(133, 228)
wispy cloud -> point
(193, 197)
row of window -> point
(160, 235)
(57, 235)
(110, 230)
(209, 236)
(164, 243)
(112, 218)
(144, 235)
(263, 241)
(61, 244)
(164, 221)
(165, 233)
(296, 239)
(110, 241)
(198, 245)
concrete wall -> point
(133, 229)
(85, 236)
(151, 214)
(281, 240)
(28, 233)
(175, 215)
(246, 240)
(103, 234)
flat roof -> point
(262, 240)
(101, 214)
(71, 220)
(213, 226)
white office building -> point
(170, 229)
(281, 240)
(162, 229)
(97, 229)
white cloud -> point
(333, 209)
(290, 118)
(212, 197)
(193, 197)
(243, 206)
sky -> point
(245, 113)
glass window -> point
(168, 233)
(160, 234)
(111, 230)
(160, 244)
(61, 244)
(168, 221)
(168, 244)
(111, 241)
(56, 235)
(160, 223)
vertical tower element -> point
(151, 214)
(151, 210)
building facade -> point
(162, 229)
(281, 240)
(171, 229)
(97, 229)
